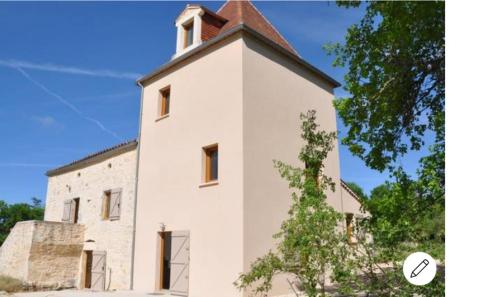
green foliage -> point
(405, 216)
(311, 244)
(396, 61)
(11, 214)
(357, 189)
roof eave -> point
(242, 27)
(93, 159)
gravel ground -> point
(76, 293)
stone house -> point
(193, 202)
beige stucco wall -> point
(43, 253)
(276, 90)
(206, 108)
(350, 203)
(114, 237)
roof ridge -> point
(274, 28)
(223, 5)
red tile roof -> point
(244, 12)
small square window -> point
(211, 154)
(188, 34)
(164, 101)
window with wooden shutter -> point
(67, 210)
(105, 205)
(115, 204)
(73, 211)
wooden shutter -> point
(115, 204)
(179, 263)
(98, 272)
(67, 211)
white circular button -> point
(419, 268)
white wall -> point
(114, 237)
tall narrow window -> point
(165, 101)
(211, 163)
(188, 34)
(106, 199)
(351, 239)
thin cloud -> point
(69, 69)
(67, 104)
(45, 121)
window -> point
(188, 34)
(70, 211)
(105, 205)
(211, 163)
(111, 204)
(165, 101)
(349, 217)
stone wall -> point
(15, 251)
(55, 253)
(43, 253)
(89, 184)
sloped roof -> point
(94, 158)
(244, 12)
(350, 191)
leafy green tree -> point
(13, 213)
(357, 189)
(401, 221)
(311, 244)
(396, 62)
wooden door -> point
(98, 273)
(179, 263)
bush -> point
(10, 285)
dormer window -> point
(194, 26)
(188, 33)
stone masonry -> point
(43, 253)
(88, 182)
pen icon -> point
(419, 268)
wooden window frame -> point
(106, 200)
(351, 239)
(207, 151)
(165, 99)
(76, 210)
(188, 25)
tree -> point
(311, 244)
(396, 66)
(357, 190)
(13, 213)
(396, 63)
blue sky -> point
(67, 77)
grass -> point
(10, 285)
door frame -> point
(86, 271)
(160, 254)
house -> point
(195, 200)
